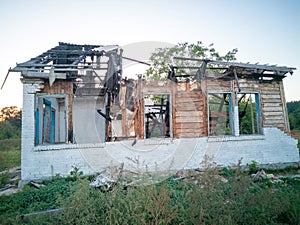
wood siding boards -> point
(272, 103)
(190, 114)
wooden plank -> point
(271, 89)
(246, 84)
(269, 85)
(219, 83)
(188, 130)
(272, 109)
(218, 114)
(213, 87)
(273, 121)
(275, 124)
(43, 75)
(266, 114)
(189, 114)
(266, 93)
(249, 85)
(188, 106)
(189, 94)
(272, 105)
(271, 100)
(266, 96)
(285, 112)
(187, 99)
(188, 125)
(179, 101)
(180, 131)
(156, 90)
(199, 126)
(188, 119)
(189, 135)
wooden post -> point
(173, 110)
(123, 107)
(139, 112)
(284, 108)
(187, 85)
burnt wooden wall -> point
(188, 103)
(189, 106)
(190, 113)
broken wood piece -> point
(36, 185)
(236, 79)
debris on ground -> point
(114, 176)
(108, 178)
(11, 186)
(262, 175)
(36, 185)
(195, 175)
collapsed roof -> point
(89, 66)
(211, 69)
(103, 63)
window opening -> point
(249, 113)
(51, 120)
(157, 115)
(220, 114)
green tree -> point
(294, 114)
(163, 57)
(10, 122)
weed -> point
(253, 167)
(226, 172)
(75, 173)
(4, 178)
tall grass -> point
(10, 153)
(201, 199)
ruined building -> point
(78, 111)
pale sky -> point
(264, 31)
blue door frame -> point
(37, 127)
(48, 123)
(258, 114)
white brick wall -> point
(274, 148)
(40, 162)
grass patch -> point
(10, 144)
(204, 200)
(4, 178)
(10, 153)
(9, 159)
